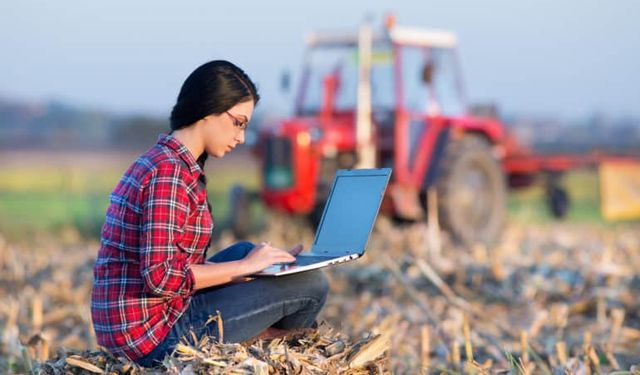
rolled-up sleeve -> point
(165, 208)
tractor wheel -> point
(240, 211)
(557, 199)
(472, 192)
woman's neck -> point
(190, 138)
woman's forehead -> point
(243, 109)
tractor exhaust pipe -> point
(364, 138)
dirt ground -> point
(548, 298)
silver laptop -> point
(346, 223)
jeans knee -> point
(318, 283)
(236, 251)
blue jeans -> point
(247, 308)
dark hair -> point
(212, 88)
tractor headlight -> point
(304, 139)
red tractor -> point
(393, 99)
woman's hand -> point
(259, 258)
(295, 250)
(265, 255)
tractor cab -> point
(411, 76)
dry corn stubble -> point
(526, 303)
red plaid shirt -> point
(157, 225)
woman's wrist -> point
(244, 268)
(241, 266)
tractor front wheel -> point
(472, 192)
(557, 197)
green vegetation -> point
(57, 200)
(529, 205)
(51, 199)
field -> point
(69, 192)
(551, 297)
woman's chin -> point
(220, 152)
(217, 153)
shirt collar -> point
(183, 152)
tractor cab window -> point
(416, 93)
(429, 81)
(446, 82)
(329, 73)
(382, 85)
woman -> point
(152, 284)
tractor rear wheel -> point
(471, 192)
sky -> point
(568, 58)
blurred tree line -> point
(59, 126)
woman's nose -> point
(240, 137)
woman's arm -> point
(261, 257)
(165, 208)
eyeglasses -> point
(237, 122)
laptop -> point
(346, 223)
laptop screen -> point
(350, 211)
